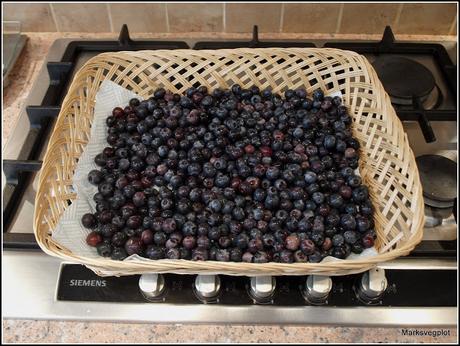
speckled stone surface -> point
(79, 332)
(15, 331)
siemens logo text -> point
(88, 283)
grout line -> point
(167, 18)
(224, 15)
(453, 27)
(398, 17)
(339, 20)
(282, 17)
(109, 13)
(53, 15)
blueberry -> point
(350, 237)
(255, 245)
(362, 224)
(95, 177)
(221, 180)
(345, 191)
(105, 216)
(119, 239)
(93, 239)
(348, 222)
(339, 252)
(199, 254)
(272, 202)
(118, 254)
(310, 177)
(338, 240)
(318, 197)
(222, 255)
(104, 249)
(160, 238)
(108, 230)
(106, 189)
(354, 181)
(89, 220)
(300, 257)
(317, 237)
(366, 208)
(238, 213)
(318, 95)
(298, 132)
(367, 241)
(173, 253)
(315, 257)
(166, 204)
(247, 257)
(360, 194)
(224, 241)
(335, 201)
(241, 241)
(189, 228)
(329, 142)
(215, 205)
(357, 248)
(286, 256)
(139, 199)
(292, 242)
(236, 255)
(134, 222)
(147, 237)
(154, 252)
(260, 257)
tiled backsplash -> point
(328, 18)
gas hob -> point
(419, 289)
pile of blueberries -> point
(230, 175)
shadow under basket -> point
(387, 165)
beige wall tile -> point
(33, 17)
(311, 17)
(426, 19)
(139, 17)
(195, 17)
(84, 17)
(243, 17)
(453, 27)
(367, 18)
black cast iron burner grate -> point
(253, 43)
(20, 172)
(388, 45)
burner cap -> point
(404, 78)
(438, 176)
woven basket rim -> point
(101, 265)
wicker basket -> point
(387, 164)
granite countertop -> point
(14, 96)
(96, 332)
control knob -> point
(152, 286)
(207, 287)
(317, 289)
(262, 288)
(372, 285)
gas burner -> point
(439, 181)
(405, 79)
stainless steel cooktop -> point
(37, 286)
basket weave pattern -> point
(387, 164)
